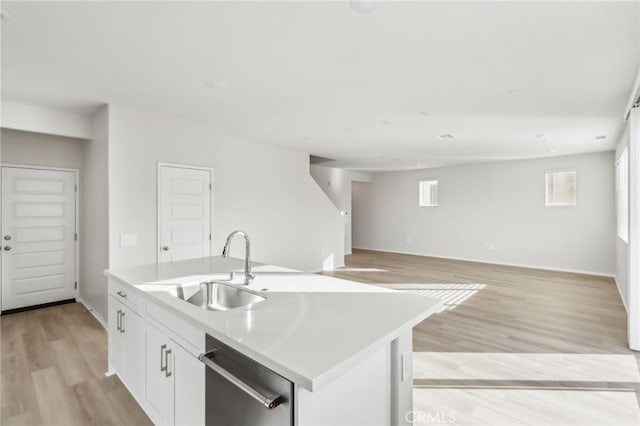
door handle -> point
(164, 248)
(267, 401)
(121, 294)
(163, 358)
(7, 237)
(7, 248)
(167, 372)
(118, 320)
(122, 322)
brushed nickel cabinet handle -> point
(166, 363)
(163, 358)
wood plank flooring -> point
(513, 345)
(52, 371)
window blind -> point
(428, 193)
(560, 187)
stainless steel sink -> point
(216, 296)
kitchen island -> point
(345, 346)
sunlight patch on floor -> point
(360, 270)
(525, 407)
(453, 294)
(525, 366)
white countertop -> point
(310, 329)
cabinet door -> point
(134, 342)
(189, 388)
(117, 354)
(160, 377)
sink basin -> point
(216, 296)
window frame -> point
(547, 174)
(432, 182)
(622, 187)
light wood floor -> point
(513, 345)
(53, 371)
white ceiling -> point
(373, 90)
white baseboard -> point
(517, 265)
(93, 312)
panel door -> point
(184, 213)
(38, 236)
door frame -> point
(76, 174)
(159, 200)
(633, 313)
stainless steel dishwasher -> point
(239, 391)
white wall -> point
(622, 248)
(94, 239)
(264, 190)
(496, 212)
(32, 118)
(336, 184)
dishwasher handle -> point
(268, 402)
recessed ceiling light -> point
(601, 138)
(217, 84)
(540, 135)
(546, 142)
(446, 136)
(512, 92)
(305, 138)
(424, 113)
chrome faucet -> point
(248, 276)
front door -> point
(184, 213)
(38, 236)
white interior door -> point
(38, 236)
(184, 213)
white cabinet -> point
(160, 376)
(167, 380)
(126, 346)
(189, 388)
(175, 382)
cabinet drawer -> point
(125, 294)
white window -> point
(560, 187)
(428, 193)
(622, 196)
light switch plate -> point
(128, 240)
